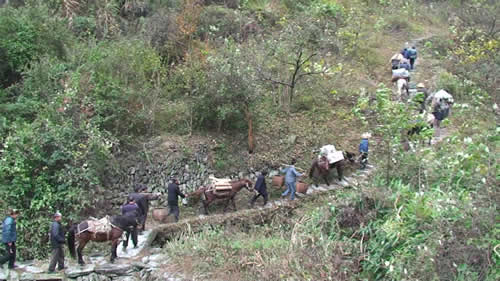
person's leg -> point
(12, 259)
(254, 198)
(53, 260)
(134, 236)
(288, 189)
(292, 190)
(265, 195)
(6, 257)
(176, 213)
(61, 258)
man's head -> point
(57, 216)
(14, 213)
(264, 173)
(174, 180)
(293, 161)
(130, 199)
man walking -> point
(412, 55)
(9, 237)
(57, 242)
(291, 175)
(130, 209)
(142, 199)
(261, 188)
(173, 199)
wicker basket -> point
(302, 187)
(278, 181)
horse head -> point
(247, 183)
(350, 156)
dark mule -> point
(208, 195)
(420, 128)
(324, 170)
(119, 224)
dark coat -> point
(142, 202)
(130, 209)
(56, 235)
(260, 185)
(173, 193)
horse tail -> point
(71, 240)
(311, 170)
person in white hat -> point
(420, 97)
(363, 149)
(57, 242)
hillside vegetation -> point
(83, 82)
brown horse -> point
(324, 170)
(209, 195)
(119, 224)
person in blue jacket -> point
(9, 237)
(261, 188)
(363, 150)
(291, 176)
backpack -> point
(412, 53)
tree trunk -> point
(249, 117)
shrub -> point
(217, 21)
(27, 34)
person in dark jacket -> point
(404, 52)
(412, 56)
(142, 200)
(173, 198)
(130, 209)
(261, 188)
(57, 242)
(9, 237)
(404, 64)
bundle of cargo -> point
(331, 154)
(221, 185)
(400, 74)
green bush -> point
(26, 34)
(220, 22)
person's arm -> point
(178, 190)
(297, 174)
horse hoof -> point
(81, 263)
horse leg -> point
(340, 172)
(325, 177)
(227, 205)
(205, 206)
(114, 245)
(79, 250)
(234, 204)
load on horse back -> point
(329, 159)
(402, 78)
(106, 229)
(396, 60)
(219, 189)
